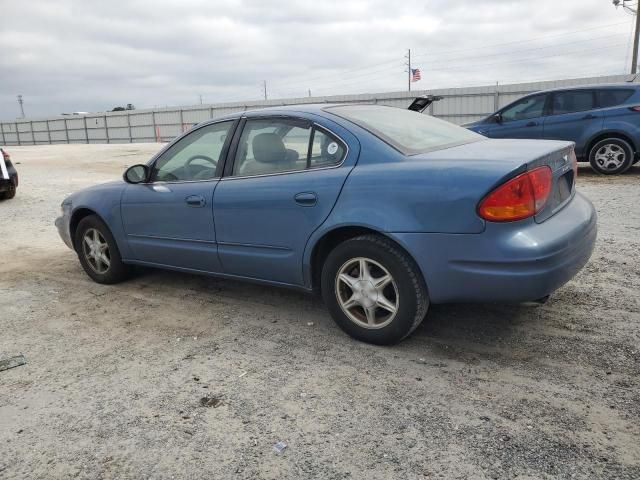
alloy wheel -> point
(96, 251)
(367, 293)
(610, 156)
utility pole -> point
(309, 92)
(200, 96)
(634, 61)
(20, 102)
(409, 69)
(264, 85)
(636, 33)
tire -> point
(611, 156)
(8, 194)
(343, 281)
(106, 265)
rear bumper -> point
(508, 262)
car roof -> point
(300, 108)
(319, 109)
(589, 87)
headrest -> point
(268, 148)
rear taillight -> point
(518, 198)
(5, 155)
(635, 108)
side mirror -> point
(497, 118)
(136, 174)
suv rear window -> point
(572, 101)
(611, 97)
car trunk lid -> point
(497, 160)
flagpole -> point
(409, 57)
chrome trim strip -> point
(211, 242)
(254, 245)
(158, 237)
(164, 182)
(287, 172)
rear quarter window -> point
(613, 97)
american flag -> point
(415, 75)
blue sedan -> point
(380, 209)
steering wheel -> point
(202, 174)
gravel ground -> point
(179, 376)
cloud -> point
(73, 55)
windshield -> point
(407, 131)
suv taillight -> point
(518, 198)
(5, 155)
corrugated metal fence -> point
(459, 105)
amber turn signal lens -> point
(518, 198)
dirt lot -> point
(116, 374)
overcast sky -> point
(68, 55)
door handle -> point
(195, 201)
(306, 199)
(532, 124)
(589, 116)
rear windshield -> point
(408, 131)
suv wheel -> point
(611, 156)
(98, 252)
(374, 290)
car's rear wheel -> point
(9, 193)
(98, 252)
(374, 290)
(611, 156)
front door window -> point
(527, 108)
(195, 157)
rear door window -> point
(611, 97)
(276, 145)
(573, 101)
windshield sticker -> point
(332, 148)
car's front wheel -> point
(611, 156)
(374, 290)
(98, 251)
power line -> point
(499, 54)
(307, 80)
(532, 39)
(529, 59)
(341, 72)
(392, 67)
